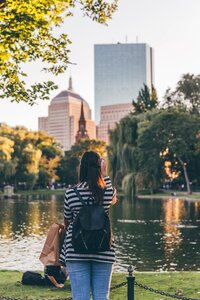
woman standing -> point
(89, 272)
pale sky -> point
(171, 27)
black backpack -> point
(91, 230)
(32, 278)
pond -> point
(152, 235)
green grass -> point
(38, 192)
(42, 192)
(184, 283)
(167, 195)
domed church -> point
(64, 114)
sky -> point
(171, 27)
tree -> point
(142, 146)
(25, 154)
(172, 100)
(7, 166)
(172, 135)
(68, 169)
(6, 148)
(146, 100)
(185, 95)
(122, 154)
(89, 145)
(26, 35)
(189, 88)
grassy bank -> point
(42, 192)
(183, 283)
(173, 195)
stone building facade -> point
(63, 117)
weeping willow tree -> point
(122, 153)
(123, 150)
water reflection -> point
(23, 226)
(173, 211)
(25, 217)
(150, 234)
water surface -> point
(152, 235)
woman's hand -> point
(103, 167)
(60, 285)
(114, 198)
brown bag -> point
(53, 245)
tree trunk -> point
(186, 176)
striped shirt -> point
(72, 206)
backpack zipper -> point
(105, 233)
(83, 240)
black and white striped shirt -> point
(72, 206)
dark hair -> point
(90, 172)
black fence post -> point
(130, 282)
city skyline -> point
(169, 27)
(66, 112)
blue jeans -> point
(89, 275)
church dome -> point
(69, 93)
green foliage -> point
(189, 88)
(172, 136)
(128, 185)
(185, 95)
(26, 35)
(122, 153)
(43, 178)
(68, 169)
(89, 145)
(146, 100)
(141, 144)
(26, 156)
(32, 159)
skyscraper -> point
(120, 72)
(110, 115)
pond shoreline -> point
(42, 192)
(163, 195)
(171, 195)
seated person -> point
(55, 276)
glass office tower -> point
(120, 71)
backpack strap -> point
(79, 195)
(80, 198)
